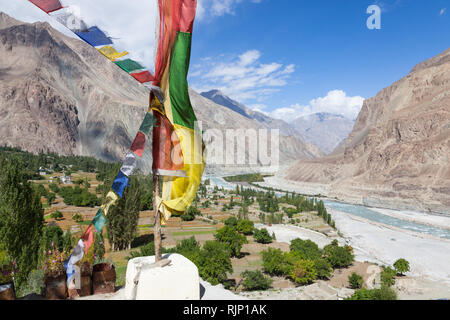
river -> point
(360, 211)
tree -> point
(52, 238)
(273, 261)
(255, 280)
(245, 226)
(401, 266)
(355, 280)
(214, 262)
(339, 257)
(388, 276)
(21, 218)
(262, 236)
(303, 272)
(232, 222)
(123, 218)
(67, 241)
(307, 248)
(50, 198)
(232, 239)
(323, 268)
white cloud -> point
(217, 8)
(241, 77)
(442, 12)
(335, 102)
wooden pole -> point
(157, 230)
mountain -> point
(324, 130)
(398, 153)
(58, 94)
(268, 122)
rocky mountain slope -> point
(398, 153)
(59, 94)
(323, 130)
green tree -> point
(323, 268)
(67, 241)
(214, 262)
(232, 239)
(307, 248)
(401, 266)
(123, 218)
(262, 236)
(21, 218)
(303, 272)
(339, 257)
(255, 280)
(355, 280)
(52, 237)
(232, 222)
(273, 261)
(388, 276)
(245, 226)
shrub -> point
(78, 217)
(303, 272)
(245, 226)
(214, 262)
(57, 215)
(401, 266)
(262, 236)
(232, 239)
(388, 276)
(355, 280)
(307, 248)
(384, 293)
(255, 280)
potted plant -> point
(54, 274)
(7, 272)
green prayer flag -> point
(147, 124)
(99, 220)
(129, 65)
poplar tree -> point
(123, 218)
(21, 218)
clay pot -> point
(56, 287)
(7, 291)
(104, 278)
(85, 287)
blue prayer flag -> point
(94, 36)
(120, 183)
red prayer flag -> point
(47, 5)
(88, 238)
(167, 153)
(138, 145)
(143, 77)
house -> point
(65, 180)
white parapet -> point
(177, 281)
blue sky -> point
(286, 58)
